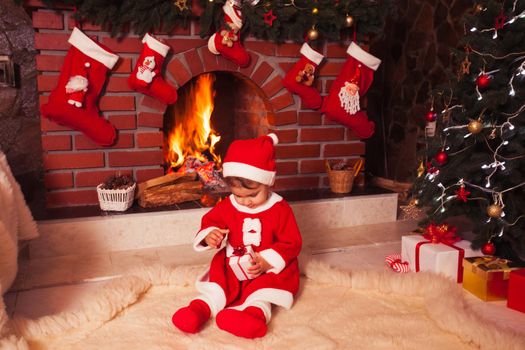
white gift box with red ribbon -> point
(240, 263)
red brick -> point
(272, 87)
(142, 175)
(84, 25)
(51, 41)
(123, 45)
(153, 103)
(262, 47)
(312, 166)
(310, 118)
(179, 72)
(57, 199)
(48, 20)
(55, 181)
(282, 101)
(56, 142)
(226, 64)
(209, 60)
(286, 66)
(118, 84)
(282, 118)
(336, 50)
(117, 103)
(48, 125)
(344, 149)
(262, 73)
(350, 136)
(182, 45)
(94, 178)
(295, 182)
(134, 158)
(123, 65)
(328, 121)
(328, 85)
(47, 82)
(286, 135)
(289, 50)
(73, 161)
(123, 141)
(180, 30)
(42, 100)
(150, 139)
(151, 120)
(330, 69)
(194, 62)
(247, 71)
(123, 122)
(286, 168)
(298, 151)
(322, 134)
(49, 62)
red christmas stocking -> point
(300, 78)
(342, 103)
(248, 323)
(146, 78)
(191, 318)
(227, 41)
(74, 100)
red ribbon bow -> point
(443, 233)
(239, 251)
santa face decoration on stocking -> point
(342, 103)
(300, 78)
(227, 42)
(146, 78)
(73, 102)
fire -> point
(193, 133)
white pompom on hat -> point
(252, 159)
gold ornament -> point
(492, 134)
(181, 4)
(349, 21)
(478, 8)
(475, 127)
(313, 34)
(465, 66)
(315, 10)
(494, 211)
(420, 169)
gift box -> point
(240, 261)
(516, 291)
(487, 277)
(444, 258)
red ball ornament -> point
(483, 81)
(431, 116)
(488, 248)
(441, 158)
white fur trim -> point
(265, 306)
(198, 241)
(211, 292)
(87, 64)
(275, 296)
(211, 45)
(247, 171)
(229, 10)
(76, 83)
(362, 56)
(274, 259)
(274, 138)
(311, 54)
(91, 49)
(274, 198)
(155, 45)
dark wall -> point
(19, 115)
(416, 57)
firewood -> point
(170, 194)
(164, 180)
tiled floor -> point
(47, 286)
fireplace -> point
(74, 166)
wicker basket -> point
(341, 181)
(117, 200)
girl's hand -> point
(259, 266)
(215, 237)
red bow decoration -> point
(462, 194)
(239, 251)
(443, 233)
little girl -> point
(252, 220)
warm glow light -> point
(193, 133)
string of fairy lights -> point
(495, 202)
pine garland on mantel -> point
(294, 19)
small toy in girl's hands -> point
(240, 261)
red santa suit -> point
(271, 230)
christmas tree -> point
(473, 159)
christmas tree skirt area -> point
(333, 310)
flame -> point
(193, 133)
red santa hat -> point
(252, 159)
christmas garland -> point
(274, 20)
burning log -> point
(169, 189)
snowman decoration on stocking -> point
(146, 71)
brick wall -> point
(74, 165)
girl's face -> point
(251, 197)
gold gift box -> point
(487, 277)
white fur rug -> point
(334, 310)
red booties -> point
(191, 318)
(249, 323)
